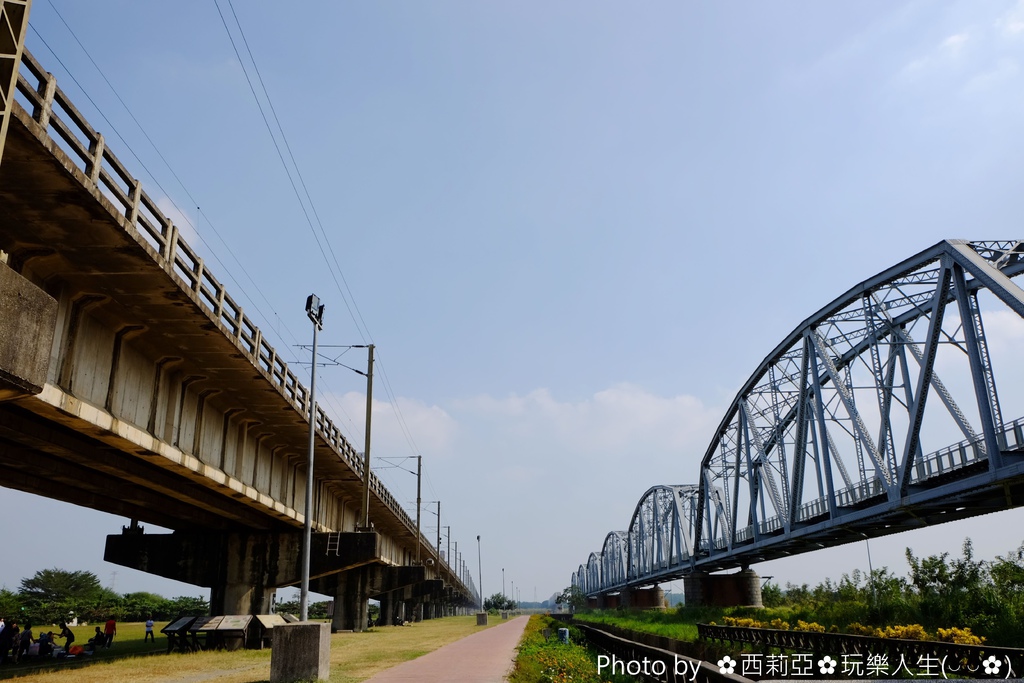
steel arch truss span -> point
(844, 430)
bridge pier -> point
(28, 316)
(643, 598)
(241, 569)
(353, 589)
(742, 588)
(351, 600)
(387, 609)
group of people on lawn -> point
(17, 643)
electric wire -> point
(360, 323)
(356, 316)
(151, 175)
(210, 249)
(336, 271)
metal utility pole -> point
(439, 535)
(315, 311)
(448, 533)
(419, 479)
(366, 446)
(503, 582)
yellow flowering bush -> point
(905, 632)
(960, 636)
(814, 626)
(859, 629)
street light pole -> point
(448, 533)
(366, 442)
(503, 582)
(439, 535)
(315, 311)
(480, 572)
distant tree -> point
(572, 597)
(140, 606)
(771, 595)
(498, 602)
(1008, 571)
(318, 610)
(288, 607)
(53, 585)
(185, 606)
(10, 603)
(52, 595)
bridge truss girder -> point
(841, 432)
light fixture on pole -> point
(315, 311)
(438, 534)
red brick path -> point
(484, 657)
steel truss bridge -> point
(841, 432)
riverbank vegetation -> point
(960, 599)
(543, 658)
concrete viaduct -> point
(132, 383)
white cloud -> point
(943, 56)
(186, 224)
(431, 426)
(955, 43)
(1011, 24)
(621, 419)
(1003, 70)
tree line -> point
(55, 595)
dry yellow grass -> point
(354, 657)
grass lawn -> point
(354, 656)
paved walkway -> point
(484, 657)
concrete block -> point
(28, 316)
(300, 652)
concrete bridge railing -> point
(55, 112)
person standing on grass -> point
(109, 631)
(65, 632)
(149, 630)
(26, 641)
(5, 642)
(14, 634)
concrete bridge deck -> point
(131, 382)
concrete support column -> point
(240, 598)
(28, 317)
(723, 590)
(351, 601)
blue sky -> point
(572, 230)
